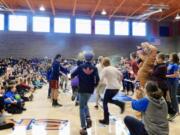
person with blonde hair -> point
(112, 78)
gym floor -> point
(40, 108)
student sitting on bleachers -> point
(4, 124)
(13, 102)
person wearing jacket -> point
(88, 80)
(154, 113)
(56, 72)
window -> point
(17, 23)
(41, 24)
(62, 25)
(1, 22)
(102, 27)
(83, 26)
(139, 29)
(121, 28)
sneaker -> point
(172, 117)
(89, 123)
(76, 103)
(104, 122)
(57, 105)
(83, 132)
(24, 109)
(96, 107)
(122, 108)
(73, 97)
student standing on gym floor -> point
(54, 82)
(88, 80)
(112, 78)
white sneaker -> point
(6, 114)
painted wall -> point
(18, 44)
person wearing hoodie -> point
(154, 113)
(88, 80)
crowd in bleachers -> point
(19, 79)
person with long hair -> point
(154, 113)
(173, 82)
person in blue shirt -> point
(88, 80)
(154, 113)
(57, 71)
(173, 81)
(4, 123)
(13, 102)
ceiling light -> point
(177, 17)
(42, 8)
(103, 12)
(160, 10)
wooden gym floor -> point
(40, 108)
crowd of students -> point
(20, 78)
(88, 76)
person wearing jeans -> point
(84, 110)
(88, 80)
(112, 78)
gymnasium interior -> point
(46, 44)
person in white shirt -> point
(101, 86)
(112, 78)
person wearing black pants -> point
(108, 98)
(112, 78)
(154, 113)
(135, 126)
(173, 82)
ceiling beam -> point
(117, 8)
(6, 5)
(95, 9)
(136, 10)
(74, 7)
(30, 6)
(53, 7)
(168, 3)
(170, 14)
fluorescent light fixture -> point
(103, 12)
(42, 8)
(177, 17)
